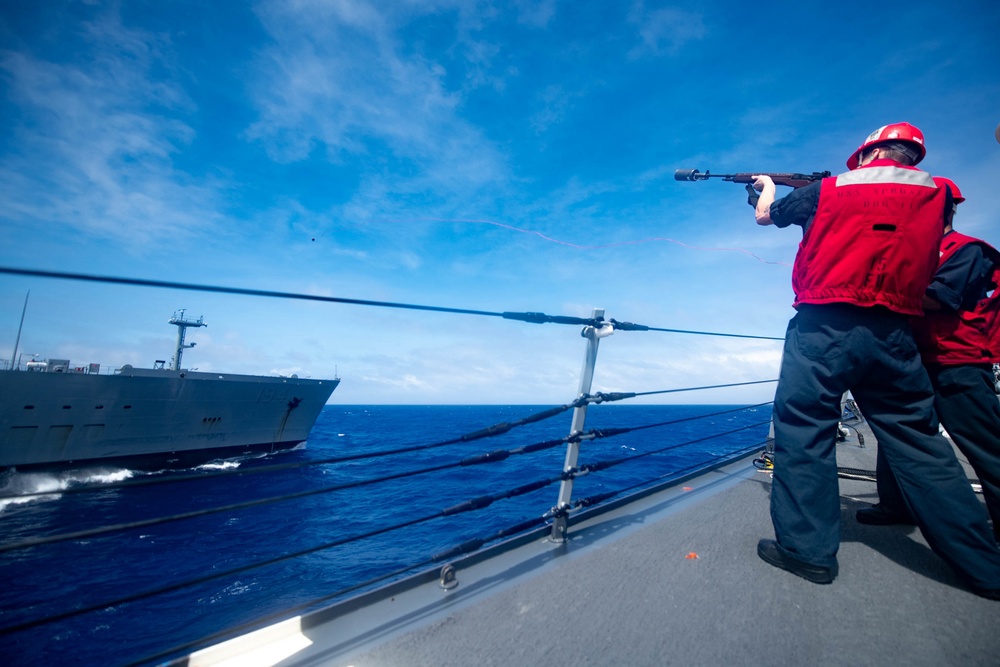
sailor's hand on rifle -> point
(760, 181)
(762, 210)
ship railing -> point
(68, 367)
(58, 366)
(554, 519)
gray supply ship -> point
(54, 414)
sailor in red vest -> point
(868, 252)
(959, 341)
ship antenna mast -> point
(17, 341)
(182, 325)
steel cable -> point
(257, 623)
(466, 547)
(603, 465)
(449, 511)
(488, 457)
(590, 501)
(471, 505)
(535, 318)
(490, 431)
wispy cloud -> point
(96, 135)
(666, 30)
(535, 13)
(337, 80)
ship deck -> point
(626, 590)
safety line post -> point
(593, 336)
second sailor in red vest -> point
(959, 341)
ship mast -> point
(17, 341)
(182, 325)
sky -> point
(490, 156)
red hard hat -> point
(956, 194)
(895, 132)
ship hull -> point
(144, 417)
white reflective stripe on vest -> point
(868, 175)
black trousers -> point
(828, 350)
(969, 410)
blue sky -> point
(497, 156)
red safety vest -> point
(874, 239)
(968, 336)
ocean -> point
(97, 570)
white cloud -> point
(666, 30)
(95, 141)
(535, 13)
(337, 78)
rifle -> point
(790, 179)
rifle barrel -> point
(690, 175)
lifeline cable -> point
(477, 459)
(458, 550)
(142, 282)
(608, 432)
(258, 623)
(489, 431)
(631, 326)
(534, 318)
(586, 469)
(463, 507)
(17, 627)
(476, 503)
(470, 505)
(714, 386)
(465, 547)
(590, 501)
(143, 523)
(602, 433)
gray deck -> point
(623, 592)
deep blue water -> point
(52, 579)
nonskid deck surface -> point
(671, 579)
